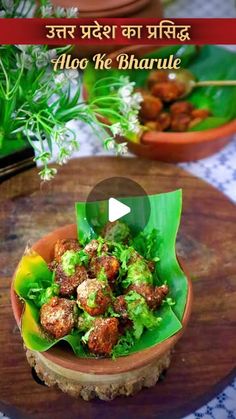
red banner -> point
(117, 31)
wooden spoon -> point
(188, 79)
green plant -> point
(26, 8)
(38, 104)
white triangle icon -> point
(117, 209)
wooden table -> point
(204, 359)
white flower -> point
(130, 101)
(37, 95)
(2, 14)
(64, 155)
(8, 5)
(59, 12)
(110, 144)
(25, 60)
(133, 123)
(44, 157)
(60, 79)
(52, 53)
(72, 76)
(46, 11)
(72, 12)
(23, 48)
(125, 91)
(137, 98)
(47, 174)
(59, 135)
(73, 146)
(116, 129)
(41, 59)
(122, 148)
(67, 76)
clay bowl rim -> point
(124, 6)
(102, 366)
(193, 137)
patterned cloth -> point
(201, 8)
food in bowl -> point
(105, 289)
(162, 108)
(199, 140)
(116, 295)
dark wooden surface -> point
(204, 359)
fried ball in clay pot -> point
(180, 122)
(150, 107)
(117, 231)
(163, 121)
(158, 76)
(94, 296)
(58, 317)
(198, 115)
(105, 265)
(181, 107)
(153, 295)
(69, 283)
(63, 245)
(104, 336)
(167, 91)
(94, 246)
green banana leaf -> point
(207, 63)
(165, 218)
(33, 273)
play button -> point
(117, 198)
(117, 210)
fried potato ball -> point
(120, 306)
(180, 122)
(104, 336)
(69, 284)
(58, 316)
(167, 91)
(150, 107)
(153, 295)
(63, 245)
(181, 107)
(200, 113)
(94, 296)
(164, 120)
(117, 231)
(157, 76)
(92, 247)
(108, 264)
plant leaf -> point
(165, 219)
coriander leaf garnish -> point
(70, 259)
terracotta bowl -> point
(177, 147)
(107, 8)
(94, 377)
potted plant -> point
(37, 105)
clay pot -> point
(111, 8)
(104, 378)
(176, 147)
